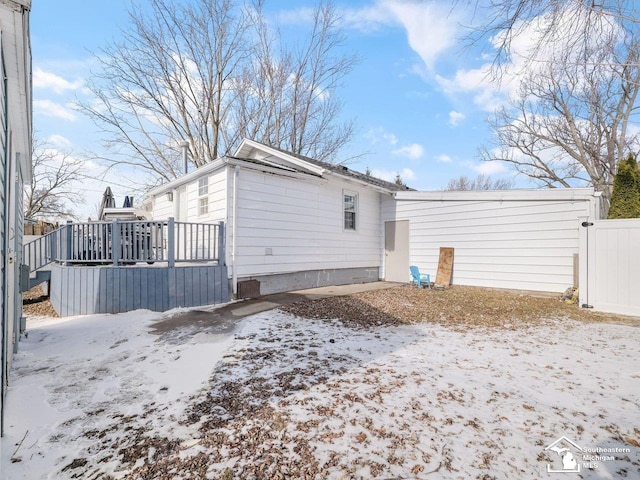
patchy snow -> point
(85, 374)
(286, 394)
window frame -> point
(203, 196)
(352, 211)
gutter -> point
(553, 194)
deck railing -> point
(41, 252)
(128, 242)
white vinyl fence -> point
(610, 265)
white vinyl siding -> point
(216, 188)
(162, 207)
(292, 225)
(526, 245)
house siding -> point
(288, 225)
(15, 169)
(525, 245)
(164, 208)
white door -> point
(396, 251)
(180, 206)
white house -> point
(15, 169)
(294, 222)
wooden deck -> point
(123, 266)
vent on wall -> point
(249, 289)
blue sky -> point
(418, 96)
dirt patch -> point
(458, 306)
(35, 302)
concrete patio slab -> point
(223, 319)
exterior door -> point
(396, 251)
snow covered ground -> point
(283, 396)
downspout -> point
(234, 231)
(3, 244)
(185, 156)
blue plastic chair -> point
(418, 279)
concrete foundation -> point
(286, 282)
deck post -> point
(68, 242)
(51, 247)
(221, 255)
(171, 243)
(115, 243)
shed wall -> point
(524, 245)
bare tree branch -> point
(212, 72)
(575, 23)
(481, 182)
(53, 185)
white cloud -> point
(431, 27)
(528, 52)
(48, 80)
(59, 141)
(456, 117)
(379, 134)
(413, 151)
(390, 175)
(486, 94)
(367, 19)
(53, 109)
(489, 168)
(444, 158)
(295, 16)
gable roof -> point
(255, 151)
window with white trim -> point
(203, 196)
(350, 208)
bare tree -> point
(53, 185)
(211, 72)
(571, 22)
(570, 123)
(287, 97)
(481, 182)
(168, 80)
(578, 70)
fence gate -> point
(610, 265)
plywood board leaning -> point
(445, 268)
